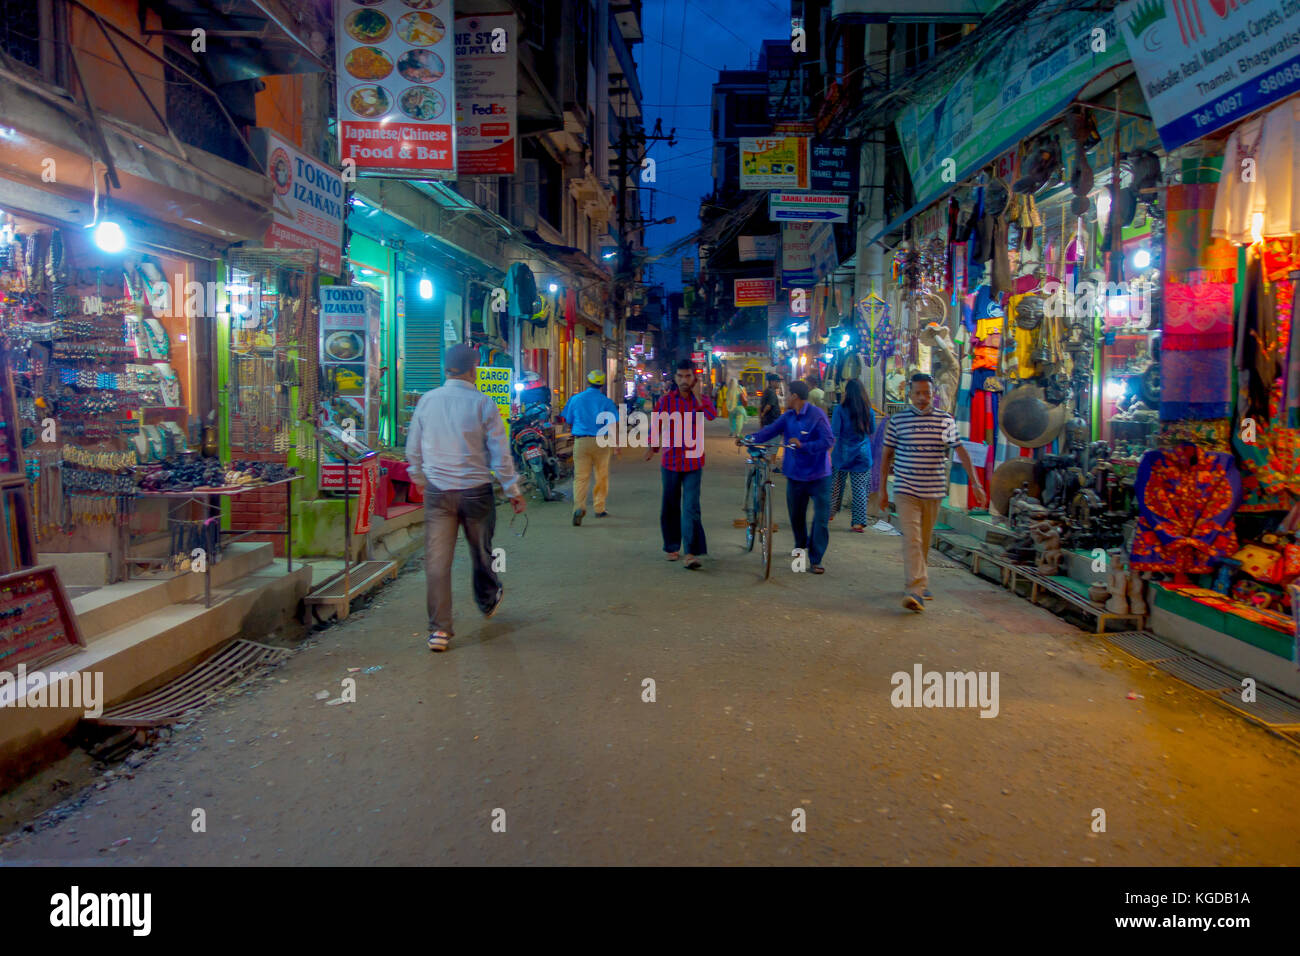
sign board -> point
(349, 359)
(688, 269)
(495, 383)
(834, 166)
(787, 89)
(697, 358)
(1202, 72)
(753, 292)
(757, 248)
(779, 162)
(807, 252)
(807, 207)
(395, 67)
(307, 204)
(487, 94)
(1006, 93)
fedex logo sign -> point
(493, 109)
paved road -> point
(770, 698)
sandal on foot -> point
(674, 555)
(692, 562)
(439, 641)
(817, 569)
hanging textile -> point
(1186, 499)
(1191, 253)
(1198, 316)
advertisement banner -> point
(349, 358)
(1007, 93)
(834, 166)
(487, 94)
(395, 62)
(757, 248)
(688, 268)
(307, 204)
(807, 207)
(1204, 65)
(807, 252)
(775, 163)
(753, 292)
(495, 383)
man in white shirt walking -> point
(455, 444)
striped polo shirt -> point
(922, 444)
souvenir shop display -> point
(37, 625)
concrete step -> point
(143, 653)
(114, 605)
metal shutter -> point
(423, 338)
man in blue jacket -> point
(807, 470)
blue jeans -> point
(797, 496)
(679, 512)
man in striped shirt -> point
(918, 444)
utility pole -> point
(623, 275)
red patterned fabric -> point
(1186, 499)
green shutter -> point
(423, 352)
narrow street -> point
(769, 697)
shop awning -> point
(570, 256)
(247, 39)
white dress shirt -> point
(457, 440)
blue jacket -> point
(852, 452)
(811, 460)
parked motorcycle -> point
(532, 442)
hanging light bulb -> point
(426, 288)
(110, 237)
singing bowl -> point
(1009, 476)
(1028, 420)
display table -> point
(210, 499)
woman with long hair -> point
(852, 423)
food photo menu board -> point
(397, 86)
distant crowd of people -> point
(457, 443)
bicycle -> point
(759, 490)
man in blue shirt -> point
(582, 413)
(807, 470)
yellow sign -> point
(495, 383)
(779, 162)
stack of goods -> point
(207, 474)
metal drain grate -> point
(1276, 712)
(1141, 645)
(1199, 674)
(166, 704)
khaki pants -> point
(588, 457)
(916, 517)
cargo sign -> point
(495, 383)
(307, 204)
(487, 94)
(1202, 73)
(754, 292)
(775, 163)
(395, 63)
(807, 207)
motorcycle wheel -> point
(539, 479)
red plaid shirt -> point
(671, 431)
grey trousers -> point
(445, 512)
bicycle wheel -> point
(765, 529)
(751, 512)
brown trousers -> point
(916, 518)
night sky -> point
(686, 43)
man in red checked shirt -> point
(677, 423)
